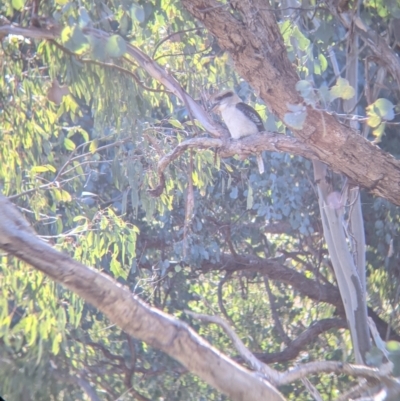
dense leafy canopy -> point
(82, 128)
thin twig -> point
(271, 374)
(171, 35)
(220, 298)
(275, 315)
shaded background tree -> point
(83, 128)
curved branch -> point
(317, 367)
(266, 67)
(299, 372)
(220, 299)
(271, 374)
(269, 141)
(136, 318)
(275, 315)
(275, 270)
(53, 32)
(79, 381)
(159, 73)
(304, 339)
(198, 143)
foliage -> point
(80, 167)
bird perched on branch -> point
(240, 118)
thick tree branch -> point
(275, 270)
(136, 318)
(264, 64)
(300, 371)
(53, 32)
(269, 141)
(271, 374)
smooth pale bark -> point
(132, 315)
(346, 273)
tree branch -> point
(269, 141)
(271, 374)
(299, 372)
(299, 344)
(256, 46)
(148, 324)
(264, 64)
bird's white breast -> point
(238, 124)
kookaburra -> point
(240, 118)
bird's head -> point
(223, 99)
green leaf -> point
(137, 12)
(124, 24)
(286, 29)
(84, 18)
(42, 169)
(18, 4)
(115, 46)
(378, 132)
(302, 41)
(323, 61)
(342, 90)
(295, 120)
(40, 351)
(306, 91)
(393, 346)
(68, 144)
(324, 93)
(234, 193)
(65, 196)
(55, 348)
(394, 355)
(97, 48)
(74, 39)
(304, 87)
(117, 270)
(383, 108)
(93, 146)
(77, 218)
(175, 123)
(66, 34)
(374, 120)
